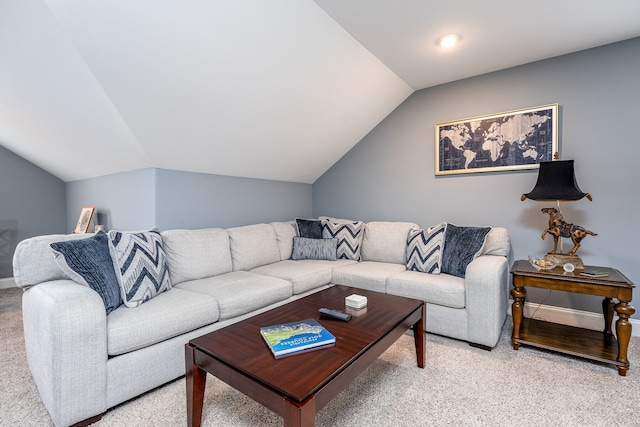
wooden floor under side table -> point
(594, 345)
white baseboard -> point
(571, 317)
(7, 283)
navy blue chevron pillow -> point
(349, 235)
(140, 263)
(424, 249)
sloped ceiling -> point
(275, 89)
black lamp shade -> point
(556, 181)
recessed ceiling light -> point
(448, 40)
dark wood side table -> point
(594, 345)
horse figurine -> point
(559, 228)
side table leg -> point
(196, 381)
(623, 329)
(519, 294)
(607, 311)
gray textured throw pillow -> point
(88, 262)
(305, 248)
(461, 246)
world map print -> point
(516, 140)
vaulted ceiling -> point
(277, 89)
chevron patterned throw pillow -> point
(349, 235)
(140, 263)
(424, 249)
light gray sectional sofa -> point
(84, 361)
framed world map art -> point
(514, 140)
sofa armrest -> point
(65, 333)
(486, 298)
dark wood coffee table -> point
(298, 386)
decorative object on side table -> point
(557, 182)
(545, 263)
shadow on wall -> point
(8, 233)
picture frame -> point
(513, 140)
(85, 220)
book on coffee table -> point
(295, 337)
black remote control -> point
(335, 314)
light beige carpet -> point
(460, 386)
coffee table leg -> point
(196, 380)
(419, 337)
(297, 415)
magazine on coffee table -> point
(295, 337)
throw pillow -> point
(349, 235)
(309, 228)
(305, 248)
(424, 249)
(88, 262)
(139, 260)
(461, 246)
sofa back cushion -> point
(196, 254)
(285, 232)
(497, 242)
(33, 260)
(386, 241)
(253, 246)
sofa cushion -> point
(304, 275)
(169, 314)
(461, 246)
(349, 235)
(497, 242)
(195, 254)
(140, 264)
(440, 289)
(88, 262)
(305, 248)
(386, 241)
(34, 263)
(240, 292)
(366, 274)
(424, 249)
(253, 246)
(309, 228)
(285, 232)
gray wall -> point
(126, 201)
(170, 199)
(196, 200)
(389, 175)
(32, 202)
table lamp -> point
(557, 182)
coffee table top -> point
(298, 376)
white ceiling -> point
(277, 89)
